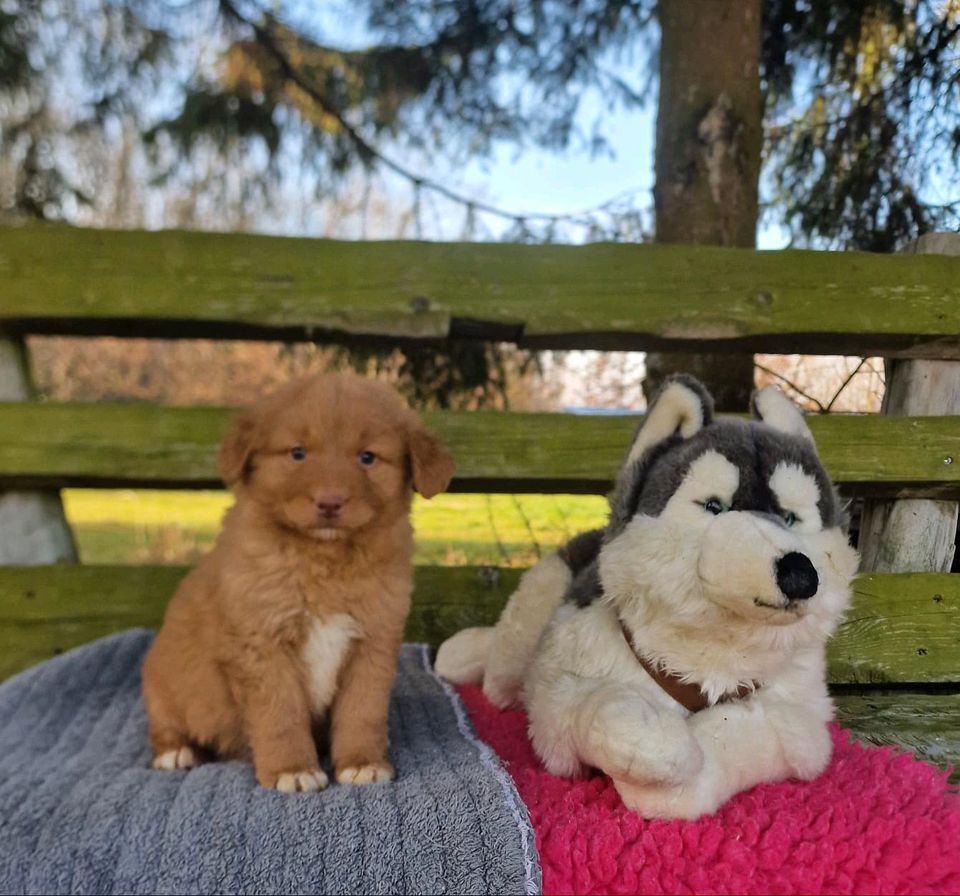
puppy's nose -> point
(330, 505)
(796, 576)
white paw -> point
(502, 691)
(628, 739)
(183, 757)
(808, 753)
(686, 801)
(373, 773)
(462, 657)
(301, 782)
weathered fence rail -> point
(903, 629)
(603, 296)
(61, 445)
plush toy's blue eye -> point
(714, 506)
(298, 453)
(366, 458)
(789, 518)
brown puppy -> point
(298, 612)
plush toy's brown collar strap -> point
(687, 694)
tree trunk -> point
(33, 529)
(709, 137)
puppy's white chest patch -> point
(323, 653)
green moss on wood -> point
(903, 628)
(59, 279)
(46, 610)
(124, 445)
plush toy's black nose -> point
(796, 576)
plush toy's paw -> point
(308, 781)
(462, 657)
(685, 801)
(371, 773)
(807, 752)
(629, 739)
(180, 758)
(502, 691)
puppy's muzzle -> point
(329, 506)
(796, 576)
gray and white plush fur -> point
(726, 559)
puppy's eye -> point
(298, 453)
(790, 518)
(714, 506)
(366, 458)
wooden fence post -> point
(33, 528)
(913, 535)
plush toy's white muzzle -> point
(756, 568)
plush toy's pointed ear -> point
(681, 406)
(771, 406)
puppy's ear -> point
(237, 448)
(682, 406)
(771, 406)
(431, 464)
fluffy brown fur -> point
(297, 614)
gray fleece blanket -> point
(81, 812)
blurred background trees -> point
(838, 122)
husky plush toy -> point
(681, 649)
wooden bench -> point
(895, 664)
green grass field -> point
(176, 527)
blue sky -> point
(572, 180)
(540, 181)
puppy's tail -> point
(500, 656)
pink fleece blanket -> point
(877, 821)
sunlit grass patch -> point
(146, 526)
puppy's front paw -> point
(369, 773)
(180, 758)
(309, 781)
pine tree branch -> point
(290, 73)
